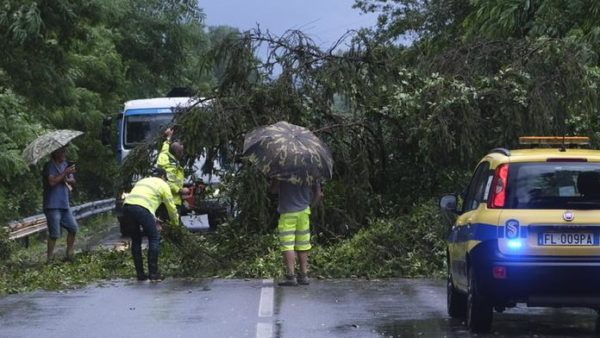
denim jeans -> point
(57, 218)
(142, 223)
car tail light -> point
(499, 185)
(499, 272)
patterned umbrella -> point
(48, 143)
(287, 152)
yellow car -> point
(527, 231)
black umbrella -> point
(288, 152)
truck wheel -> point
(479, 310)
(456, 301)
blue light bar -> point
(514, 244)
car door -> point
(461, 232)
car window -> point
(553, 185)
(141, 128)
(477, 187)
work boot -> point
(139, 268)
(154, 274)
(303, 279)
(290, 280)
(156, 277)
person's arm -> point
(163, 156)
(167, 199)
(54, 180)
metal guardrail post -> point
(34, 224)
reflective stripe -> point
(131, 198)
(302, 243)
(288, 243)
(302, 232)
(287, 233)
(151, 187)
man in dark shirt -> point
(58, 181)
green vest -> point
(175, 173)
(149, 193)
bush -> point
(6, 245)
(412, 245)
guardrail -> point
(34, 224)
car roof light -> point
(554, 140)
(572, 159)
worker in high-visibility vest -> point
(169, 159)
(138, 220)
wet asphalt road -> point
(256, 308)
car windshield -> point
(553, 185)
(140, 128)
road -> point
(257, 308)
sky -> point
(325, 21)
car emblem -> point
(569, 216)
(512, 228)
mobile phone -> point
(70, 163)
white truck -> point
(140, 122)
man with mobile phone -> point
(58, 180)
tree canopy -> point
(68, 64)
(408, 107)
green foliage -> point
(519, 18)
(7, 246)
(69, 64)
(87, 267)
(408, 246)
(16, 130)
(407, 108)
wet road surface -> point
(256, 308)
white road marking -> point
(264, 330)
(265, 307)
(265, 310)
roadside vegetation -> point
(407, 108)
(387, 248)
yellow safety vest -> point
(149, 193)
(175, 173)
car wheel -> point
(456, 301)
(479, 310)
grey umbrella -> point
(48, 143)
(288, 152)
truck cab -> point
(140, 122)
(143, 119)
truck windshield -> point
(141, 128)
(553, 185)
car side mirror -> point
(449, 203)
(106, 132)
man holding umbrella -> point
(58, 180)
(295, 160)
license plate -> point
(569, 238)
